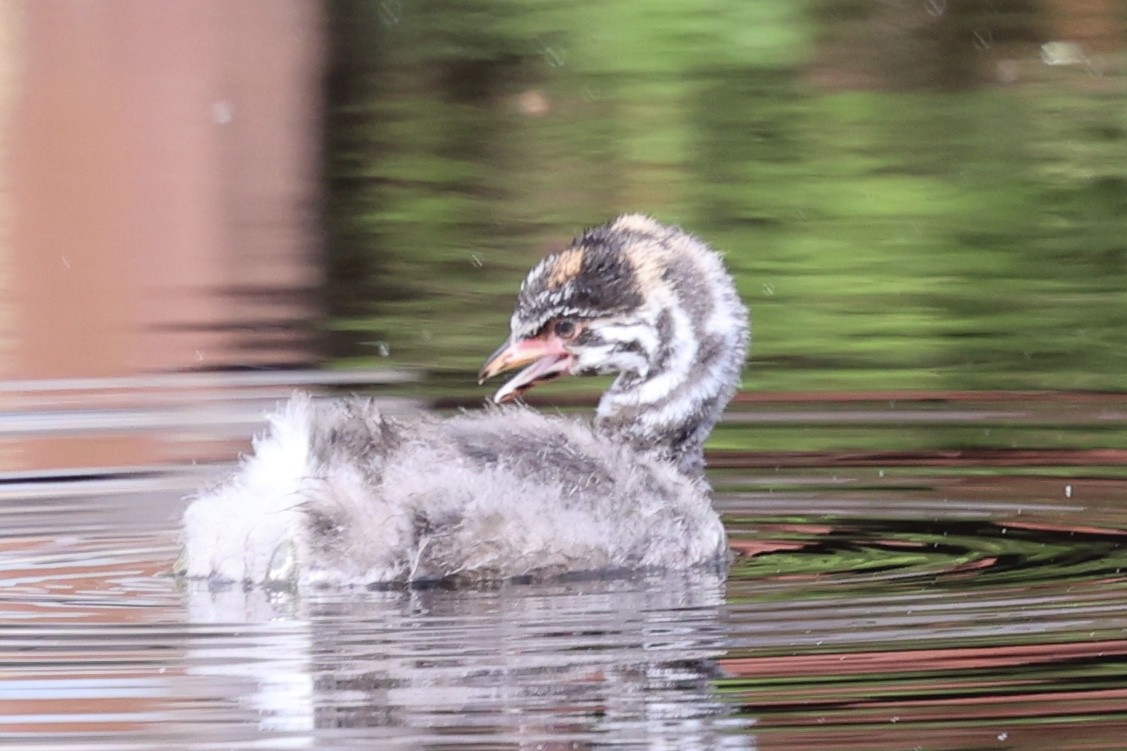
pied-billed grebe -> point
(336, 493)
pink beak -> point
(549, 358)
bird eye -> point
(565, 329)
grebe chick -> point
(336, 493)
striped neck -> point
(671, 405)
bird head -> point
(633, 297)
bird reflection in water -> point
(626, 662)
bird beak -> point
(548, 357)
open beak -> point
(548, 357)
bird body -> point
(362, 498)
(337, 493)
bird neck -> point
(672, 406)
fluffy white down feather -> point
(231, 532)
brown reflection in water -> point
(910, 661)
(721, 458)
(161, 167)
(942, 698)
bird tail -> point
(309, 492)
(232, 531)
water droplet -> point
(391, 11)
(1062, 53)
(554, 57)
(1008, 71)
(534, 103)
(222, 112)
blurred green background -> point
(913, 195)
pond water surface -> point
(892, 598)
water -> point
(923, 476)
(901, 598)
